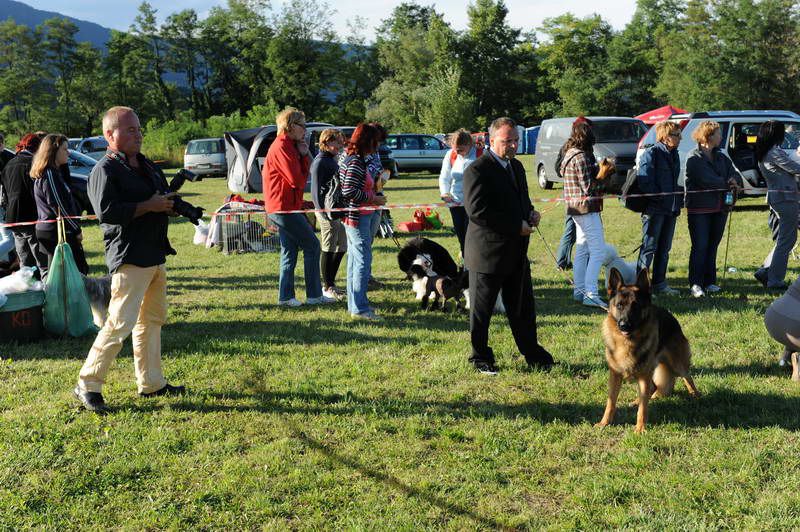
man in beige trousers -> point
(128, 193)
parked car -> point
(94, 147)
(206, 157)
(387, 161)
(80, 166)
(739, 130)
(417, 152)
(615, 137)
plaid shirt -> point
(580, 181)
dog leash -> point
(727, 244)
(599, 302)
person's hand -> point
(534, 218)
(160, 203)
(606, 169)
(734, 185)
(379, 200)
(302, 147)
(525, 230)
(447, 198)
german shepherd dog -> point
(644, 343)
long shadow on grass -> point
(237, 282)
(391, 481)
(717, 409)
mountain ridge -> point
(26, 15)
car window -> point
(430, 143)
(80, 159)
(618, 131)
(202, 147)
(548, 132)
(391, 142)
(792, 139)
(410, 143)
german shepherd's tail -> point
(664, 380)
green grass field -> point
(304, 419)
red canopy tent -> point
(657, 115)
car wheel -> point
(543, 182)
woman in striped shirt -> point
(358, 189)
(54, 198)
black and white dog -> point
(434, 260)
(99, 291)
(427, 283)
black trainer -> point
(487, 368)
(166, 390)
(92, 401)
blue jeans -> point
(566, 243)
(657, 232)
(6, 238)
(705, 231)
(359, 263)
(296, 233)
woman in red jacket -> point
(284, 176)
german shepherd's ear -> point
(643, 281)
(615, 281)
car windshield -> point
(203, 147)
(85, 160)
(618, 131)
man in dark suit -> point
(501, 218)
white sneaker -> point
(331, 293)
(712, 289)
(696, 291)
(290, 303)
(321, 300)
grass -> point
(302, 419)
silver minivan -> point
(417, 152)
(615, 137)
(206, 157)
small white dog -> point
(613, 260)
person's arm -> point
(292, 167)
(647, 173)
(445, 177)
(353, 183)
(698, 177)
(113, 209)
(477, 189)
(779, 158)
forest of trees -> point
(243, 62)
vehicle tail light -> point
(682, 123)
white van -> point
(206, 157)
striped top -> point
(358, 186)
(53, 195)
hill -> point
(32, 17)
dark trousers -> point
(29, 250)
(568, 237)
(517, 291)
(657, 233)
(705, 231)
(460, 222)
(49, 242)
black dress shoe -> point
(542, 360)
(487, 368)
(166, 390)
(761, 275)
(92, 401)
(781, 287)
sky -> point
(524, 14)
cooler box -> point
(21, 317)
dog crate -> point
(244, 228)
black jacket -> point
(704, 174)
(323, 168)
(18, 189)
(496, 207)
(114, 190)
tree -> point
(146, 28)
(575, 60)
(181, 31)
(21, 83)
(59, 46)
(445, 106)
(89, 102)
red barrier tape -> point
(400, 206)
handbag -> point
(66, 307)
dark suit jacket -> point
(496, 209)
(18, 190)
